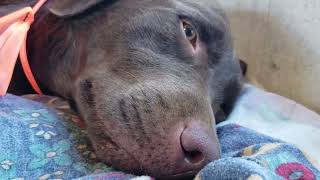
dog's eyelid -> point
(191, 32)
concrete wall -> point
(280, 40)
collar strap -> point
(13, 36)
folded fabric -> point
(278, 117)
(250, 155)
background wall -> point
(280, 40)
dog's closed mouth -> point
(184, 176)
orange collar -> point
(14, 28)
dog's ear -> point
(68, 8)
(244, 67)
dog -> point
(150, 78)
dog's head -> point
(153, 75)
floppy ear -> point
(244, 67)
(68, 8)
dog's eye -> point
(190, 32)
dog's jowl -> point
(146, 76)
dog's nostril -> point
(198, 144)
(194, 157)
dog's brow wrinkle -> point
(138, 117)
(139, 124)
(162, 102)
(147, 108)
(122, 108)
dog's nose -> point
(198, 146)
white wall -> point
(280, 40)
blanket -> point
(278, 117)
(48, 141)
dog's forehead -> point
(203, 6)
(203, 3)
(206, 12)
(153, 21)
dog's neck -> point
(55, 55)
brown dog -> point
(146, 76)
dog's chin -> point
(160, 175)
(181, 176)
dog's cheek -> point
(86, 92)
(84, 99)
(108, 151)
(105, 140)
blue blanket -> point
(39, 142)
(250, 155)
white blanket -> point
(278, 117)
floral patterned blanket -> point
(48, 141)
(37, 142)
